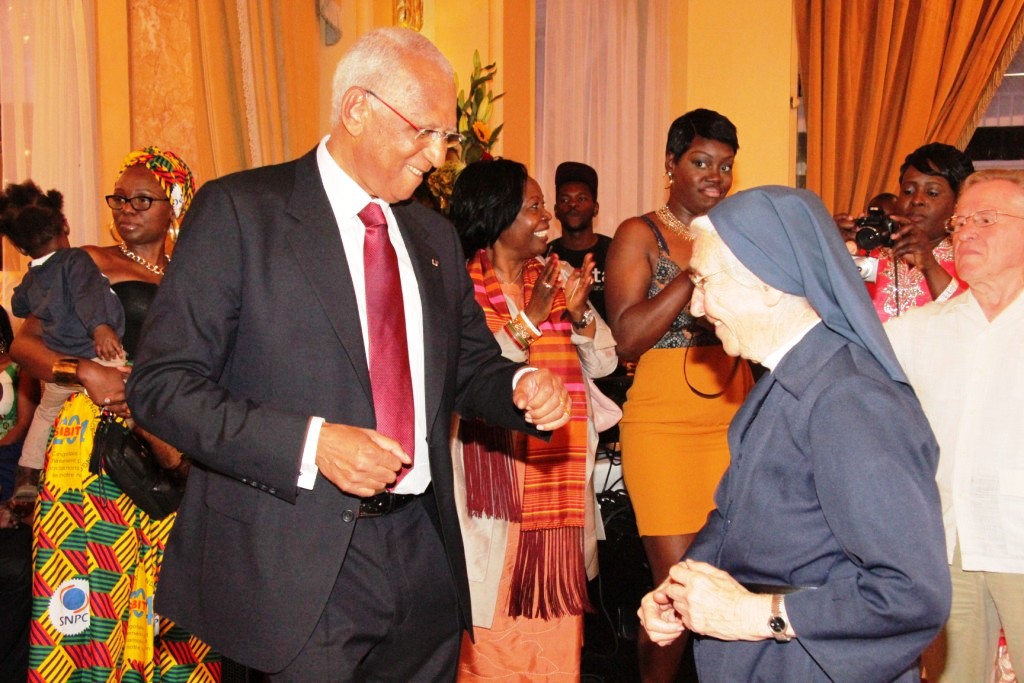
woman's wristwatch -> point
(582, 323)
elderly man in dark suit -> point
(824, 559)
(307, 349)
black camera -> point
(874, 230)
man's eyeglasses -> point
(981, 219)
(699, 282)
(449, 140)
(138, 202)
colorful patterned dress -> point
(96, 565)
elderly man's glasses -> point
(981, 219)
(138, 202)
(700, 282)
(423, 134)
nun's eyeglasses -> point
(982, 219)
(699, 282)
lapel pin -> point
(434, 262)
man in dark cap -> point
(824, 559)
(575, 208)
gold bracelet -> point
(513, 332)
(65, 372)
(521, 331)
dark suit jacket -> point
(831, 485)
(255, 329)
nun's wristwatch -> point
(777, 623)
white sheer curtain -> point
(48, 111)
(603, 99)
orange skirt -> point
(519, 648)
(674, 442)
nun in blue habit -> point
(824, 559)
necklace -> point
(673, 223)
(514, 280)
(151, 267)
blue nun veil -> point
(787, 238)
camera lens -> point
(869, 237)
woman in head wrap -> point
(97, 555)
(827, 529)
(685, 390)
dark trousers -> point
(393, 614)
(15, 601)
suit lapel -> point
(316, 242)
(426, 263)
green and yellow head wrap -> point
(173, 174)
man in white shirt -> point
(964, 360)
(307, 349)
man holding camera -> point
(907, 258)
(963, 359)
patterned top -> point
(684, 330)
(9, 400)
(913, 288)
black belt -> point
(773, 589)
(385, 503)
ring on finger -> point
(547, 284)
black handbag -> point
(129, 462)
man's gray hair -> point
(378, 62)
(1013, 175)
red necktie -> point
(390, 377)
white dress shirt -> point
(968, 373)
(347, 199)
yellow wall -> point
(739, 58)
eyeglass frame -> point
(962, 220)
(451, 139)
(131, 200)
(698, 282)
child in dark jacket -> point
(79, 314)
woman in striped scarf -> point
(527, 505)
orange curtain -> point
(226, 83)
(882, 78)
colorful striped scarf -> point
(549, 579)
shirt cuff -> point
(519, 375)
(307, 468)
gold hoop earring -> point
(113, 233)
(172, 230)
(670, 179)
